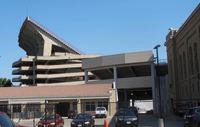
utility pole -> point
(161, 120)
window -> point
(196, 57)
(90, 106)
(180, 66)
(103, 104)
(193, 89)
(171, 71)
(33, 107)
(191, 60)
(3, 108)
(184, 65)
(17, 108)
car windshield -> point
(126, 112)
(100, 108)
(48, 117)
(82, 116)
(191, 111)
(5, 121)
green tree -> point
(4, 82)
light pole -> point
(161, 122)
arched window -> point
(184, 65)
(196, 58)
(191, 61)
(171, 71)
(181, 66)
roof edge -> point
(62, 42)
(187, 20)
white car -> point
(100, 112)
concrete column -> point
(155, 100)
(115, 75)
(86, 76)
(71, 105)
(113, 107)
(11, 111)
(34, 70)
(79, 106)
(116, 86)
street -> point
(144, 121)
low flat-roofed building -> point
(64, 98)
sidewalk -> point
(174, 121)
(152, 121)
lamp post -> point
(161, 121)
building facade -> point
(184, 62)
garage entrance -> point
(125, 95)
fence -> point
(25, 111)
(28, 111)
(33, 112)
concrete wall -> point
(128, 83)
(119, 59)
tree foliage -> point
(4, 82)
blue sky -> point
(93, 26)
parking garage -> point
(131, 73)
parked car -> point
(5, 121)
(100, 112)
(51, 121)
(126, 118)
(181, 111)
(197, 116)
(72, 114)
(192, 117)
(83, 120)
(135, 110)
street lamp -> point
(158, 80)
(157, 58)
